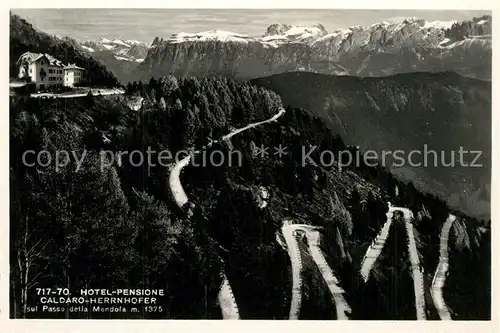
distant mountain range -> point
(121, 56)
(412, 45)
(128, 50)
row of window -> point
(58, 71)
(55, 78)
(55, 71)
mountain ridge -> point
(380, 49)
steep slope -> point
(382, 49)
(123, 227)
(409, 112)
(24, 38)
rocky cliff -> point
(381, 49)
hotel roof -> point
(32, 57)
(73, 66)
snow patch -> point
(274, 37)
(439, 24)
(133, 42)
(120, 42)
(294, 34)
(212, 35)
(89, 49)
(108, 47)
(122, 58)
(139, 60)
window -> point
(43, 74)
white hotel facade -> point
(48, 72)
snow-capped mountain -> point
(121, 57)
(386, 48)
(128, 50)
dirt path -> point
(442, 269)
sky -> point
(146, 24)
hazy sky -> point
(145, 24)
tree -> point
(30, 246)
(341, 215)
(152, 94)
(89, 100)
(157, 236)
(168, 85)
(376, 211)
(356, 210)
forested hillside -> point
(413, 112)
(116, 226)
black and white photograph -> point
(250, 164)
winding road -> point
(178, 192)
(175, 185)
(375, 250)
(417, 270)
(442, 269)
(289, 229)
(252, 125)
(294, 253)
(227, 302)
(226, 298)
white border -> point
(28, 325)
